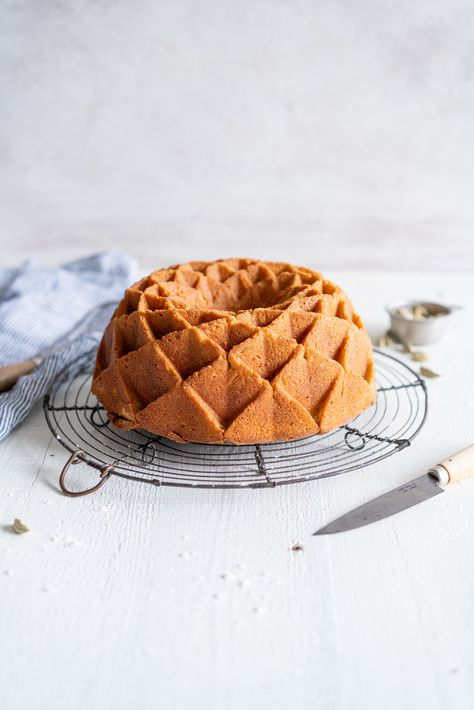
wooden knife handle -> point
(456, 467)
(9, 374)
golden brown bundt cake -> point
(237, 351)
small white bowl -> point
(419, 331)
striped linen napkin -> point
(57, 310)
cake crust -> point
(234, 351)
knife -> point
(95, 319)
(455, 468)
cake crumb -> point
(426, 372)
(50, 589)
(385, 341)
(227, 576)
(244, 584)
(19, 527)
(419, 356)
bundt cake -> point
(237, 351)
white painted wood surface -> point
(147, 598)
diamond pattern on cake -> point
(148, 372)
(183, 415)
(225, 388)
(235, 351)
(189, 350)
(355, 352)
(121, 402)
(293, 325)
(162, 323)
(263, 353)
(327, 335)
(308, 377)
(228, 331)
(349, 395)
(271, 415)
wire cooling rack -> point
(80, 424)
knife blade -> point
(455, 468)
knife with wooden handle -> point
(455, 468)
(9, 374)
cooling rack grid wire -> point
(81, 425)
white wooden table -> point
(137, 597)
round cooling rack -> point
(80, 424)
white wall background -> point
(340, 133)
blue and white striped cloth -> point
(39, 309)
